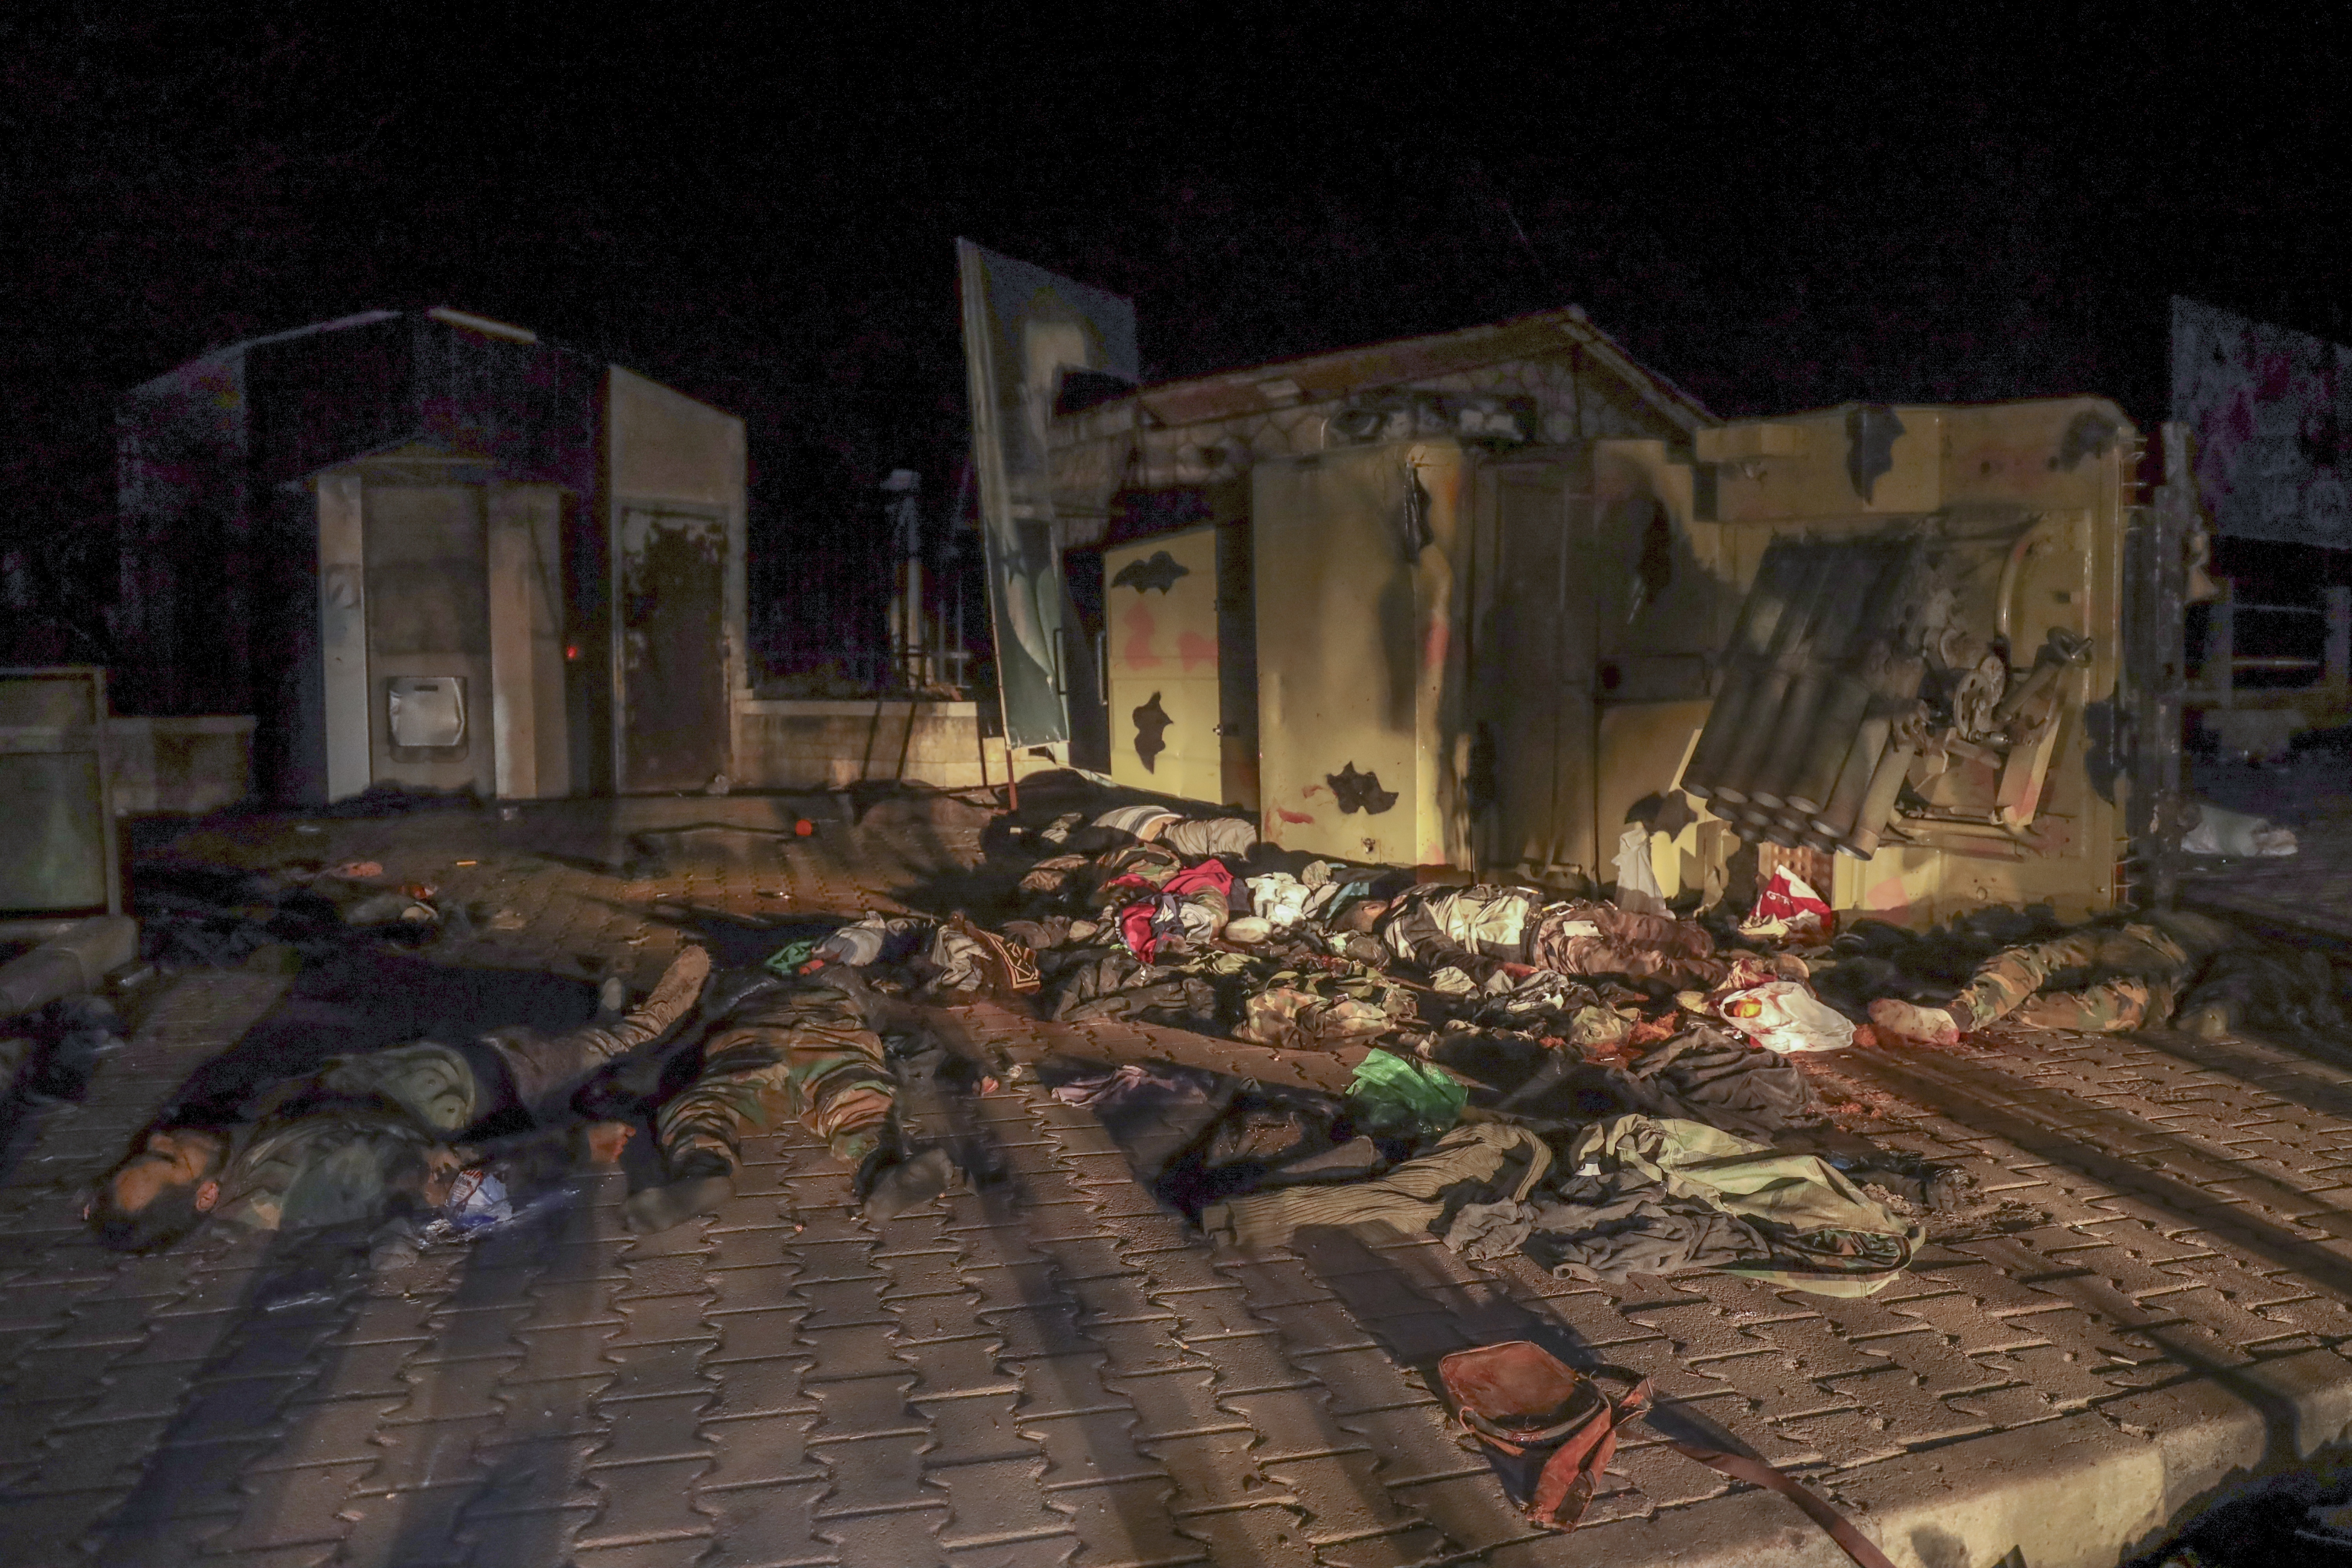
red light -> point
(571, 651)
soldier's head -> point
(160, 1192)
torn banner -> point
(1024, 332)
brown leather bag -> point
(1516, 1398)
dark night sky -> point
(756, 204)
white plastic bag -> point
(2221, 832)
(1782, 1015)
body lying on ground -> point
(372, 1134)
(2105, 978)
(800, 1049)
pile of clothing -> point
(1706, 1154)
(1138, 912)
(1563, 1078)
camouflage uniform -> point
(2136, 974)
(355, 1138)
(1301, 1010)
(803, 1053)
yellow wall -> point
(1161, 627)
(2041, 484)
(1359, 652)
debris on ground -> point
(1532, 1072)
(2221, 831)
(196, 914)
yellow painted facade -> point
(1159, 620)
(1520, 646)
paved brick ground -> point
(1052, 1371)
(2310, 890)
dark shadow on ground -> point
(363, 1000)
(740, 942)
(2124, 1152)
(1063, 1363)
(235, 1410)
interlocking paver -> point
(863, 1351)
(768, 1525)
(1090, 1448)
(655, 1427)
(647, 1501)
(976, 1428)
(908, 1536)
(995, 1502)
(528, 1535)
(761, 1387)
(867, 1407)
(761, 1335)
(1059, 1336)
(1126, 1524)
(292, 1508)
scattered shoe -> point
(890, 1186)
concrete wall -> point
(183, 766)
(827, 745)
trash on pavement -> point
(1784, 1015)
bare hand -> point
(606, 1140)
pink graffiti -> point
(1137, 651)
(1195, 649)
(1292, 816)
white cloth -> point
(1277, 898)
(1215, 836)
(1637, 876)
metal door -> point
(671, 730)
(1360, 593)
(1531, 674)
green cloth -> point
(325, 1168)
(1829, 1237)
(432, 1082)
(1399, 1097)
(1411, 1198)
(788, 959)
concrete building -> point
(428, 549)
(1485, 600)
(1178, 455)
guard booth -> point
(1171, 469)
(1891, 647)
(429, 551)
